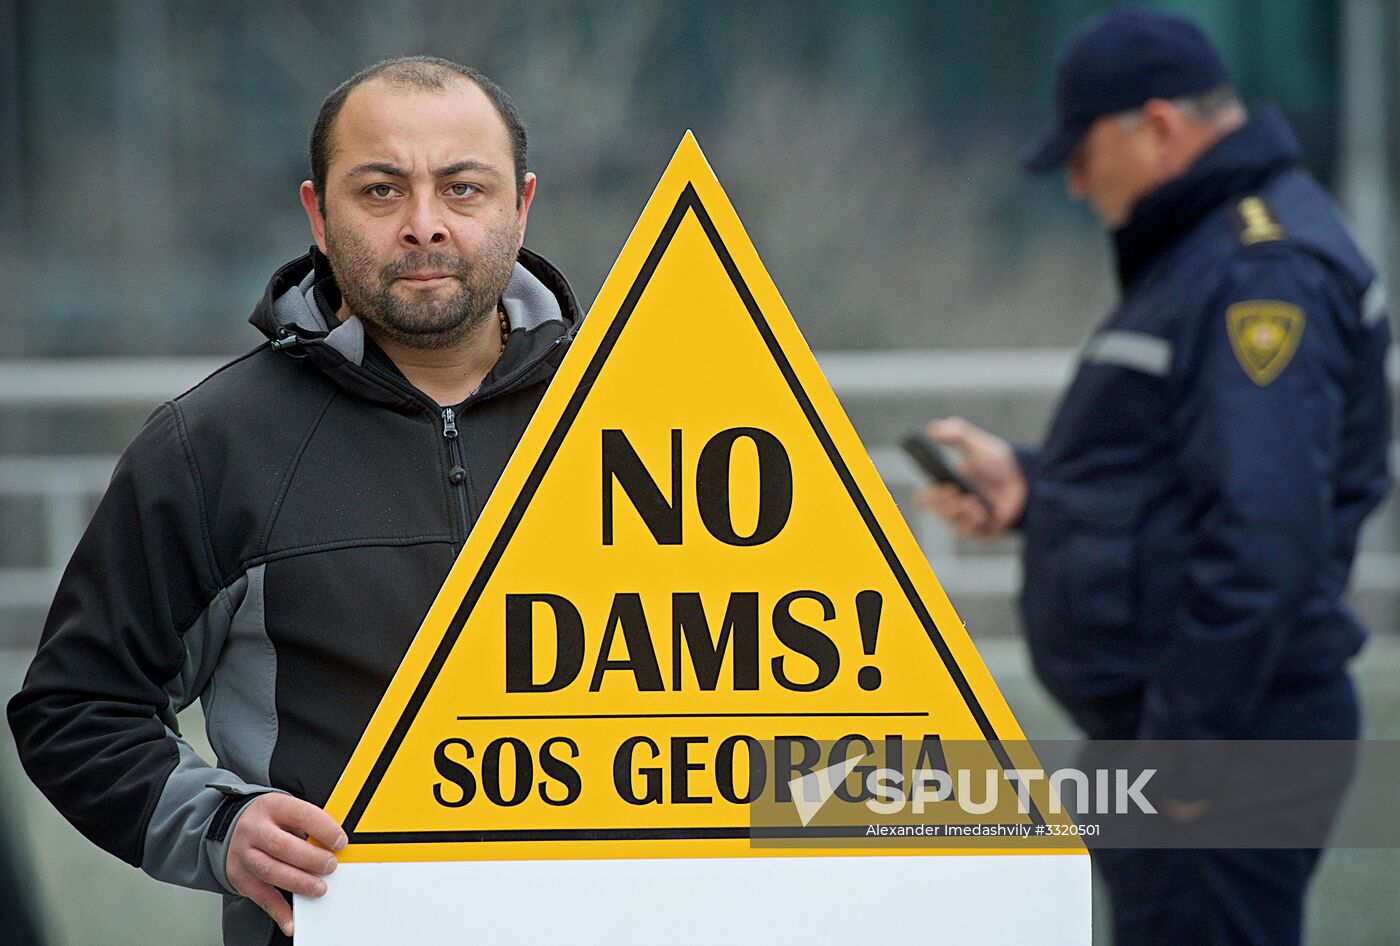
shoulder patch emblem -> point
(1255, 222)
(1264, 335)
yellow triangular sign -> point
(689, 555)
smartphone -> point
(924, 451)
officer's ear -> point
(1165, 126)
(1162, 118)
(315, 214)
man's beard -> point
(417, 319)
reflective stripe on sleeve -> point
(1373, 304)
(1136, 350)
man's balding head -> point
(413, 74)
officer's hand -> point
(269, 849)
(988, 463)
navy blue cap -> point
(1117, 61)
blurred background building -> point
(150, 152)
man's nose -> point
(425, 225)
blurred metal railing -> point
(65, 487)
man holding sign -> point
(272, 538)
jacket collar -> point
(1233, 167)
(297, 310)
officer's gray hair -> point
(1211, 105)
(1217, 104)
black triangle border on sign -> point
(690, 201)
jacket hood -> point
(297, 313)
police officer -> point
(1191, 519)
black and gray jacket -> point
(268, 545)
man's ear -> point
(527, 194)
(314, 215)
(1163, 119)
(1163, 126)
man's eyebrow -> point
(377, 167)
(470, 164)
(447, 170)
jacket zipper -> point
(457, 474)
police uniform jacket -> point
(1193, 512)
